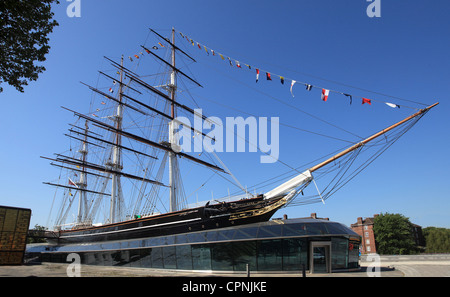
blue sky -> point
(404, 54)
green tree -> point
(393, 235)
(38, 232)
(437, 240)
(24, 27)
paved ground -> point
(388, 266)
(437, 265)
(60, 270)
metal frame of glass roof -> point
(274, 229)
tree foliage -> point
(437, 240)
(393, 235)
(37, 230)
(24, 29)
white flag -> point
(292, 84)
(392, 105)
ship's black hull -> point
(190, 220)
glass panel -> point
(295, 254)
(99, 259)
(294, 230)
(46, 257)
(270, 255)
(243, 253)
(182, 238)
(146, 243)
(124, 258)
(169, 256)
(135, 258)
(201, 257)
(246, 233)
(196, 237)
(114, 246)
(319, 259)
(353, 255)
(339, 246)
(184, 258)
(270, 231)
(107, 259)
(221, 258)
(211, 235)
(336, 228)
(115, 256)
(88, 258)
(157, 259)
(62, 258)
(155, 241)
(316, 228)
(128, 244)
(170, 240)
(146, 259)
(226, 234)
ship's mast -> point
(172, 157)
(82, 184)
(116, 153)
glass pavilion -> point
(274, 246)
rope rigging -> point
(144, 200)
(344, 174)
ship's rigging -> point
(120, 151)
(106, 177)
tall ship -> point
(113, 177)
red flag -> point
(137, 57)
(257, 75)
(268, 76)
(365, 100)
(325, 93)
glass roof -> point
(264, 230)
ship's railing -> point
(218, 200)
(42, 234)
